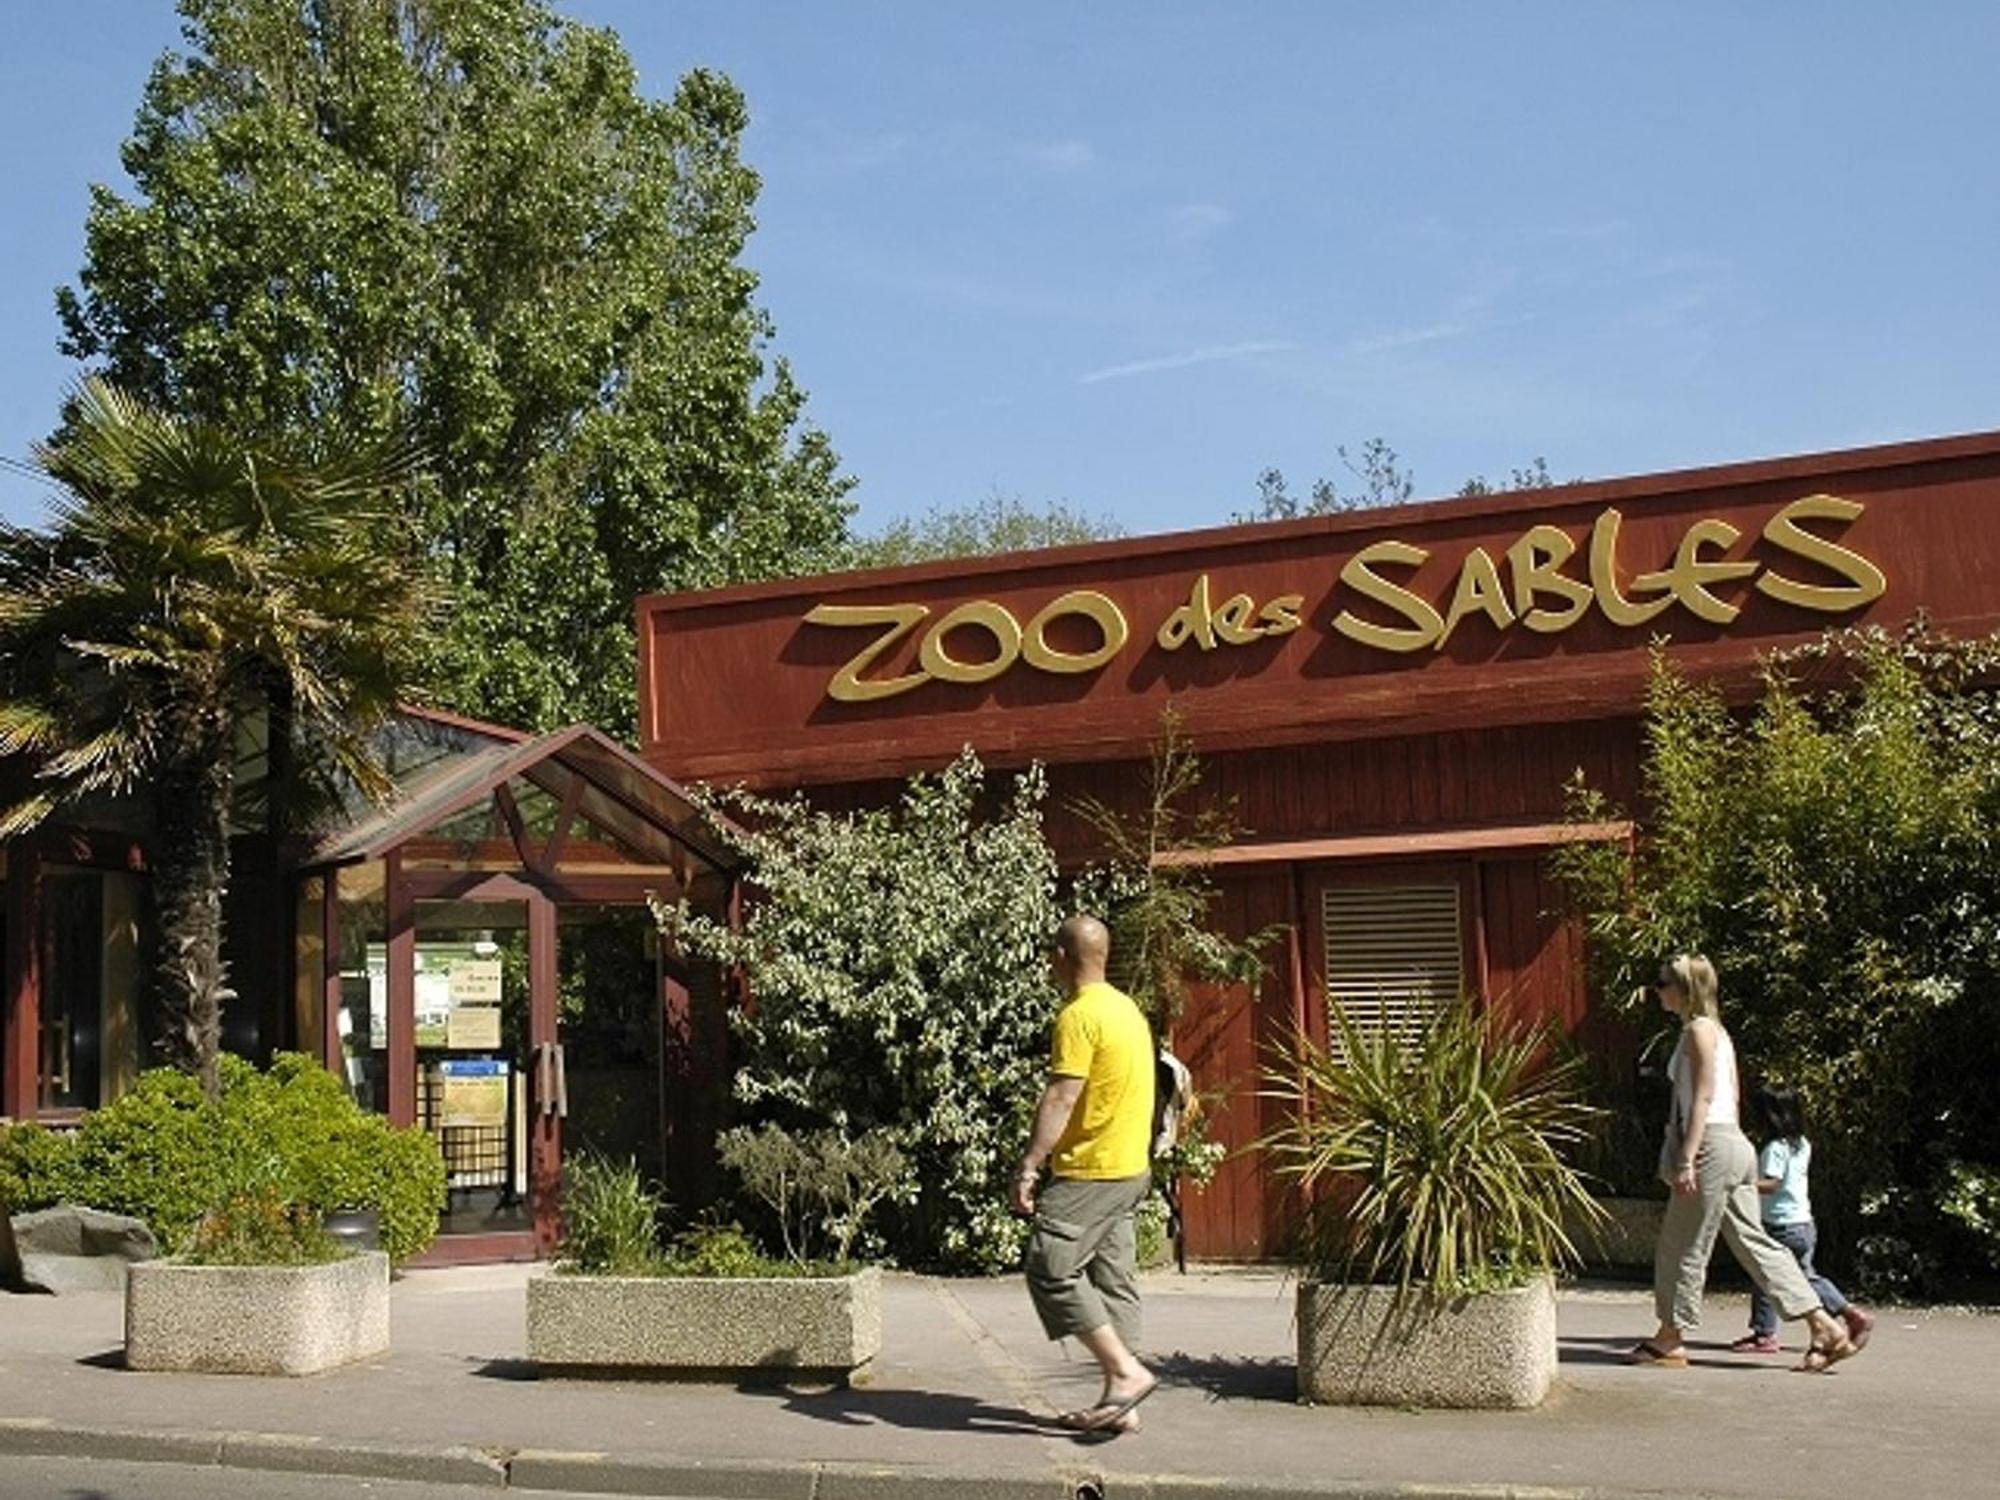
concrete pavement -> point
(965, 1380)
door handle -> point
(545, 1078)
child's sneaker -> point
(1756, 1343)
(1860, 1324)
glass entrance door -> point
(475, 1036)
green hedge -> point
(166, 1155)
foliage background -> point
(1836, 851)
(463, 224)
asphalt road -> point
(99, 1479)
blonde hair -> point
(1694, 976)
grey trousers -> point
(1082, 1260)
(1726, 1169)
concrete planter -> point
(1357, 1348)
(693, 1326)
(256, 1320)
(1625, 1239)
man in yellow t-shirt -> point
(1094, 1130)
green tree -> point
(898, 960)
(194, 588)
(997, 524)
(1533, 476)
(1836, 852)
(1376, 467)
(1155, 886)
(463, 222)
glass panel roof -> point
(623, 804)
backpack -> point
(1175, 1103)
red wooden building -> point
(1394, 699)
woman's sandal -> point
(1821, 1358)
(1646, 1352)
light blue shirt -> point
(1791, 1202)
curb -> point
(693, 1479)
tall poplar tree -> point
(459, 220)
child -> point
(1781, 1179)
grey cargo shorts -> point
(1082, 1260)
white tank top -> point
(1680, 1068)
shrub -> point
(725, 1250)
(338, 1154)
(1835, 851)
(898, 959)
(167, 1154)
(37, 1167)
(820, 1187)
(1435, 1162)
(610, 1219)
(260, 1227)
(160, 1153)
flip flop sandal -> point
(1105, 1416)
(1646, 1352)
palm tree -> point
(192, 582)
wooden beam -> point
(565, 818)
(510, 814)
(1475, 840)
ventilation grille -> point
(1394, 955)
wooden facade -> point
(1392, 698)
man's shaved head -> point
(1086, 943)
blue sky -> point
(1128, 254)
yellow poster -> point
(475, 1092)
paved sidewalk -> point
(965, 1375)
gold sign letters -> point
(1009, 640)
(1526, 586)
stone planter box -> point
(1625, 1239)
(808, 1326)
(256, 1320)
(1357, 1348)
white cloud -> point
(1182, 361)
(1061, 156)
(1403, 338)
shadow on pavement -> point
(1224, 1379)
(110, 1359)
(929, 1411)
(1602, 1351)
(508, 1369)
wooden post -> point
(331, 1052)
(20, 1038)
(400, 910)
(545, 1122)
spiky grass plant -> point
(1436, 1162)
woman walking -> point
(1712, 1169)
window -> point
(1394, 954)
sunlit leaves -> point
(898, 960)
(1836, 851)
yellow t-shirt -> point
(1102, 1038)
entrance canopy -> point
(571, 808)
(463, 964)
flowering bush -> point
(897, 957)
